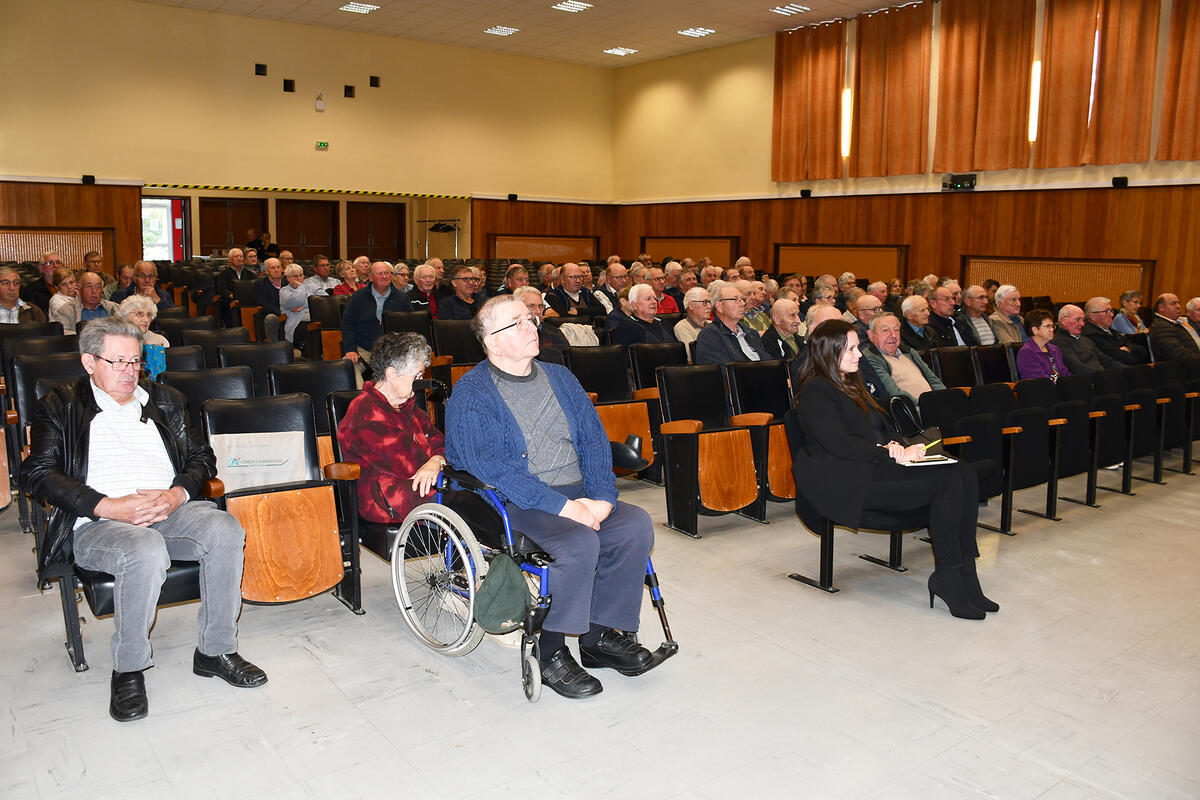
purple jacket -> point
(1033, 363)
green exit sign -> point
(322, 145)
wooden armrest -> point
(1012, 429)
(681, 426)
(1097, 414)
(3, 387)
(956, 440)
(10, 417)
(1054, 423)
(1133, 407)
(214, 487)
(752, 418)
(441, 361)
(646, 394)
(342, 471)
(1162, 401)
(234, 304)
(964, 389)
(594, 397)
(314, 326)
(1188, 395)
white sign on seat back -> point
(246, 460)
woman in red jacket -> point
(398, 449)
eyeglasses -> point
(522, 321)
(121, 366)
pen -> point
(931, 444)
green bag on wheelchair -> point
(503, 597)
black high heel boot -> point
(947, 583)
(970, 580)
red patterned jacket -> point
(390, 444)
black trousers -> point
(950, 491)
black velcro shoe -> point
(129, 700)
(564, 675)
(231, 668)
(619, 651)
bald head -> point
(818, 314)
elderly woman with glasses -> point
(389, 436)
(141, 311)
(1038, 358)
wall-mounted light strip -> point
(1035, 99)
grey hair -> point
(294, 269)
(96, 332)
(911, 303)
(877, 285)
(406, 353)
(482, 322)
(636, 291)
(744, 261)
(973, 291)
(1062, 312)
(1125, 296)
(823, 292)
(521, 291)
(673, 266)
(137, 302)
(695, 293)
(1004, 291)
(1193, 304)
(878, 317)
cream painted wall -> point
(143, 92)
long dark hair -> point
(823, 362)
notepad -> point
(929, 461)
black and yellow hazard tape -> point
(293, 190)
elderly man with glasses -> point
(40, 291)
(145, 280)
(729, 338)
(461, 304)
(123, 471)
(530, 430)
(1109, 341)
(570, 298)
(12, 308)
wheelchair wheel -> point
(436, 569)
(531, 677)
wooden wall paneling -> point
(519, 217)
(542, 249)
(723, 250)
(75, 207)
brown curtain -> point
(891, 95)
(1179, 128)
(806, 130)
(1121, 113)
(983, 85)
(1067, 48)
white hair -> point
(294, 269)
(911, 302)
(876, 285)
(695, 293)
(639, 289)
(672, 267)
(744, 261)
(1004, 291)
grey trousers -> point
(597, 576)
(138, 557)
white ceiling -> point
(648, 26)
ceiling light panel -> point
(501, 30)
(790, 9)
(574, 6)
(359, 8)
(696, 33)
(621, 51)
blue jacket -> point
(484, 439)
(360, 326)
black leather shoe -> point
(231, 668)
(619, 651)
(128, 697)
(564, 675)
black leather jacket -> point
(56, 469)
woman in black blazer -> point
(852, 464)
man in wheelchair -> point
(528, 429)
(122, 469)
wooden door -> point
(224, 222)
(307, 227)
(375, 230)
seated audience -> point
(293, 301)
(320, 282)
(361, 319)
(865, 309)
(569, 298)
(1100, 330)
(974, 315)
(235, 270)
(389, 436)
(529, 430)
(697, 309)
(1171, 337)
(617, 278)
(1193, 313)
(267, 249)
(348, 274)
(1079, 352)
(658, 282)
(14, 310)
(39, 292)
(89, 305)
(362, 272)
(848, 298)
(145, 282)
(516, 277)
(1128, 320)
(1038, 358)
(674, 286)
(948, 330)
(400, 276)
(1007, 319)
(782, 339)
(66, 289)
(756, 295)
(709, 274)
(124, 473)
(141, 311)
(124, 280)
(551, 340)
(914, 331)
(900, 370)
(642, 324)
(852, 464)
(461, 304)
(729, 338)
(266, 292)
(423, 295)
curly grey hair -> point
(407, 353)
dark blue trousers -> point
(597, 576)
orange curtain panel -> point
(1179, 131)
(806, 129)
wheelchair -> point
(440, 557)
